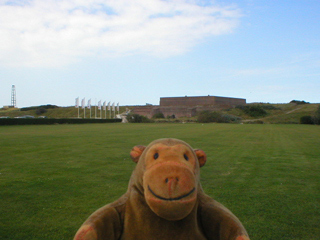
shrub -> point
(158, 115)
(136, 118)
(255, 111)
(171, 116)
(207, 117)
(306, 120)
(38, 107)
(39, 121)
(230, 118)
(41, 110)
(299, 102)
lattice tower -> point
(13, 96)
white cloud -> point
(56, 33)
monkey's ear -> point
(136, 152)
(202, 157)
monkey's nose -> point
(172, 179)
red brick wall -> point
(144, 110)
(200, 101)
(188, 106)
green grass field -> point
(53, 177)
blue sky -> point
(136, 51)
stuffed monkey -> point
(164, 201)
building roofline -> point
(202, 96)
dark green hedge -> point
(208, 116)
(299, 102)
(254, 110)
(136, 118)
(39, 121)
(306, 120)
(37, 107)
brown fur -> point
(164, 200)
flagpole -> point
(109, 110)
(84, 108)
(105, 109)
(77, 105)
(99, 107)
(89, 106)
(114, 110)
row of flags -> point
(103, 105)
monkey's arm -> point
(105, 223)
(220, 223)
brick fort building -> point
(187, 106)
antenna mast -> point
(13, 96)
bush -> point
(207, 117)
(158, 115)
(41, 110)
(306, 120)
(136, 118)
(230, 118)
(42, 121)
(299, 102)
(38, 107)
(171, 116)
(255, 111)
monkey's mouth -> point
(171, 199)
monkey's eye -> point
(155, 156)
(186, 157)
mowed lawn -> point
(53, 177)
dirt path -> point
(293, 110)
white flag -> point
(83, 103)
(108, 105)
(104, 105)
(77, 102)
(118, 108)
(99, 105)
(113, 109)
(89, 104)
